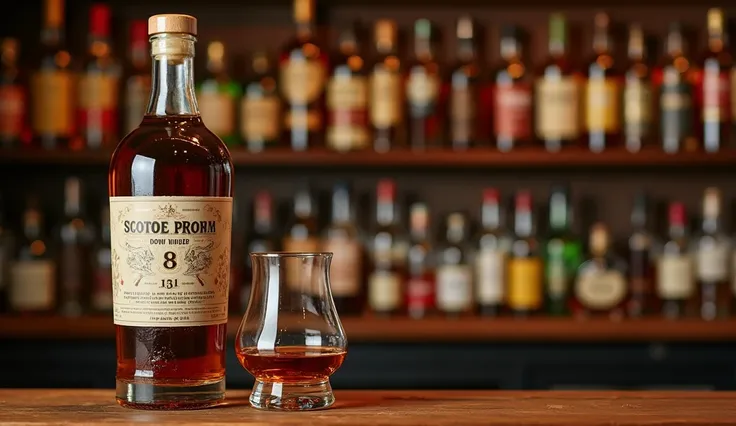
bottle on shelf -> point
(423, 90)
(261, 239)
(303, 75)
(217, 96)
(343, 240)
(53, 99)
(716, 85)
(465, 88)
(675, 267)
(491, 256)
(557, 92)
(302, 235)
(562, 253)
(386, 113)
(97, 97)
(138, 81)
(260, 109)
(386, 277)
(712, 252)
(33, 272)
(525, 296)
(641, 279)
(602, 90)
(101, 294)
(512, 94)
(638, 96)
(676, 103)
(347, 97)
(600, 286)
(420, 287)
(454, 271)
(13, 97)
(7, 251)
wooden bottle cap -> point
(172, 23)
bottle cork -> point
(172, 23)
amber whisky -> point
(170, 188)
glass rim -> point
(281, 254)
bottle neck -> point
(52, 36)
(385, 212)
(341, 212)
(490, 216)
(677, 230)
(466, 49)
(601, 41)
(523, 223)
(711, 224)
(559, 214)
(172, 91)
(510, 48)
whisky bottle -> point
(676, 103)
(562, 253)
(712, 251)
(13, 97)
(386, 113)
(715, 88)
(98, 103)
(260, 239)
(347, 98)
(602, 90)
(557, 92)
(170, 185)
(454, 271)
(260, 109)
(386, 277)
(675, 267)
(301, 236)
(343, 241)
(423, 87)
(638, 111)
(600, 286)
(490, 259)
(641, 279)
(420, 287)
(525, 265)
(217, 96)
(465, 88)
(52, 85)
(512, 94)
(101, 294)
(138, 81)
(303, 74)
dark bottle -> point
(260, 239)
(7, 250)
(602, 90)
(423, 90)
(675, 267)
(454, 270)
(464, 89)
(715, 90)
(512, 95)
(493, 248)
(218, 95)
(638, 108)
(303, 74)
(525, 291)
(641, 279)
(386, 106)
(101, 294)
(420, 288)
(13, 98)
(260, 110)
(138, 81)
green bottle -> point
(218, 96)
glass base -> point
(153, 396)
(291, 396)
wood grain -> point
(65, 407)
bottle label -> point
(602, 105)
(346, 266)
(420, 293)
(385, 94)
(463, 113)
(556, 270)
(53, 103)
(712, 262)
(525, 283)
(490, 274)
(513, 111)
(294, 278)
(170, 260)
(32, 285)
(454, 288)
(98, 102)
(716, 96)
(102, 291)
(677, 115)
(137, 93)
(558, 108)
(384, 291)
(12, 110)
(600, 290)
(675, 277)
(302, 81)
(303, 118)
(347, 102)
(218, 112)
(259, 119)
(422, 90)
(637, 108)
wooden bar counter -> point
(77, 407)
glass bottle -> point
(638, 111)
(712, 250)
(465, 88)
(715, 90)
(423, 89)
(512, 94)
(675, 267)
(420, 288)
(13, 97)
(492, 254)
(525, 265)
(454, 271)
(261, 238)
(302, 235)
(386, 92)
(386, 277)
(101, 299)
(641, 273)
(260, 110)
(217, 96)
(138, 82)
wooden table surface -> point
(79, 407)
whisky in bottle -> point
(454, 271)
(675, 267)
(170, 188)
(641, 279)
(260, 109)
(525, 295)
(464, 88)
(512, 95)
(712, 248)
(490, 259)
(562, 253)
(423, 89)
(302, 236)
(138, 81)
(217, 96)
(420, 287)
(101, 294)
(638, 111)
(386, 113)
(715, 90)
(13, 97)
(260, 239)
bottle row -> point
(387, 269)
(369, 97)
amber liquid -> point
(174, 156)
(291, 364)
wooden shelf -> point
(367, 329)
(476, 158)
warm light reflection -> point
(38, 248)
(355, 62)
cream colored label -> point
(454, 288)
(52, 100)
(346, 266)
(259, 120)
(675, 277)
(490, 266)
(32, 285)
(296, 279)
(384, 291)
(170, 260)
(347, 99)
(602, 107)
(600, 289)
(422, 88)
(98, 91)
(712, 262)
(637, 104)
(386, 94)
(218, 112)
(137, 93)
(347, 93)
(558, 108)
(302, 81)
